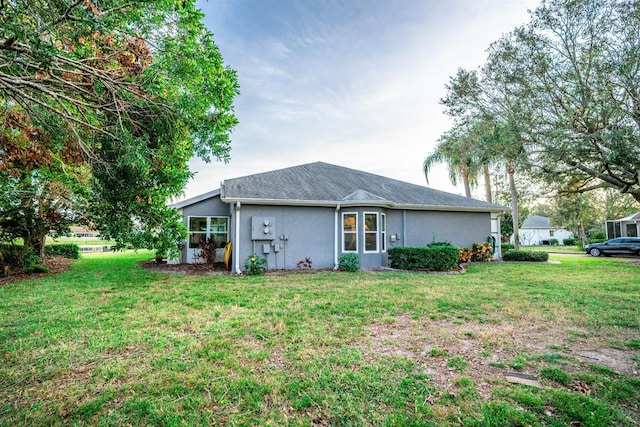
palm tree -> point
(455, 148)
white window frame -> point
(383, 232)
(375, 232)
(355, 231)
(208, 232)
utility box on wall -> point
(263, 228)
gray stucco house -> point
(322, 211)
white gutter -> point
(314, 203)
(452, 208)
(237, 240)
(367, 203)
(336, 233)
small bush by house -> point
(479, 252)
(529, 256)
(569, 242)
(507, 246)
(465, 255)
(255, 264)
(440, 257)
(349, 262)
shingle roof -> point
(196, 199)
(536, 221)
(326, 184)
(633, 217)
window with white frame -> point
(218, 230)
(383, 232)
(208, 227)
(349, 232)
(370, 232)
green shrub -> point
(513, 255)
(554, 242)
(349, 262)
(18, 256)
(507, 246)
(67, 250)
(569, 242)
(539, 257)
(598, 237)
(442, 257)
(439, 244)
(255, 264)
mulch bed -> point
(185, 269)
(55, 264)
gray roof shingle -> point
(536, 221)
(322, 183)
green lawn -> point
(555, 249)
(109, 343)
(80, 241)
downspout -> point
(237, 240)
(499, 239)
(336, 237)
(404, 228)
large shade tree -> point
(563, 92)
(130, 91)
(574, 72)
(479, 97)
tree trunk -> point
(467, 184)
(514, 206)
(582, 234)
(487, 183)
(34, 242)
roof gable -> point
(536, 221)
(633, 217)
(196, 199)
(361, 195)
(326, 184)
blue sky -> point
(350, 82)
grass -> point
(109, 343)
(80, 241)
(555, 249)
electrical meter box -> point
(263, 228)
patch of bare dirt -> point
(185, 269)
(489, 348)
(55, 265)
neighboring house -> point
(625, 227)
(537, 230)
(322, 211)
(81, 231)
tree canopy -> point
(566, 88)
(107, 101)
